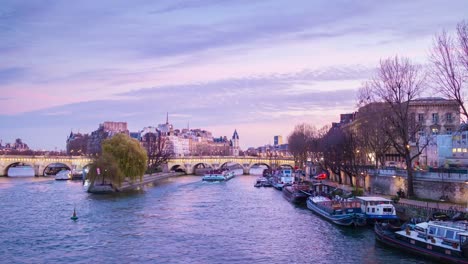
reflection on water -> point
(179, 220)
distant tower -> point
(278, 140)
(235, 144)
(167, 118)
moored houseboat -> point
(262, 182)
(345, 213)
(297, 192)
(282, 178)
(443, 241)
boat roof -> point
(373, 199)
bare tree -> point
(373, 140)
(448, 72)
(332, 145)
(397, 84)
(159, 152)
(300, 142)
(462, 33)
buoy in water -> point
(74, 217)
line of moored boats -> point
(445, 241)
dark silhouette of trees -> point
(158, 151)
(372, 139)
(303, 143)
(332, 145)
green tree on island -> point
(122, 157)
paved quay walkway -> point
(147, 179)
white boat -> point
(377, 208)
(63, 175)
(283, 178)
(218, 175)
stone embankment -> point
(147, 179)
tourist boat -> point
(262, 182)
(446, 242)
(297, 193)
(218, 175)
(345, 213)
(377, 209)
(63, 175)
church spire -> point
(167, 117)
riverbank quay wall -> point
(147, 179)
(427, 185)
(128, 185)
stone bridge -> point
(189, 164)
(40, 163)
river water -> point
(178, 220)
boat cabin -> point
(451, 234)
(377, 207)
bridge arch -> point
(178, 168)
(54, 167)
(16, 164)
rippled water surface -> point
(179, 220)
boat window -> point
(373, 210)
(449, 234)
(368, 209)
(387, 210)
(432, 230)
(464, 239)
(440, 232)
(457, 236)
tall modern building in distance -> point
(278, 140)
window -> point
(449, 234)
(448, 117)
(435, 131)
(449, 131)
(440, 232)
(373, 210)
(435, 118)
(421, 117)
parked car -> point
(321, 176)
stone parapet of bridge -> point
(40, 163)
(189, 163)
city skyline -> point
(260, 68)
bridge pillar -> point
(39, 170)
(188, 168)
(215, 166)
(246, 167)
(3, 170)
(165, 167)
